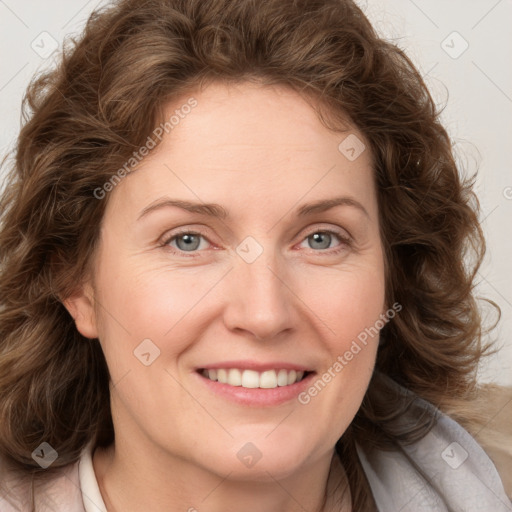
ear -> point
(81, 307)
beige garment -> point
(493, 429)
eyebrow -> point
(217, 211)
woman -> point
(172, 336)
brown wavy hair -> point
(85, 118)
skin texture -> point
(260, 152)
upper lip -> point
(256, 366)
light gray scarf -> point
(446, 470)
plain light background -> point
(461, 47)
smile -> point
(252, 379)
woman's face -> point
(283, 274)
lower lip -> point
(257, 397)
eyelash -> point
(344, 242)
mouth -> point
(268, 387)
(253, 379)
(254, 383)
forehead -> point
(249, 144)
(252, 115)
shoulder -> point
(491, 427)
(56, 491)
(463, 462)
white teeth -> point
(282, 378)
(292, 376)
(250, 379)
(253, 379)
(268, 379)
(234, 377)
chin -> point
(249, 463)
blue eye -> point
(322, 240)
(319, 241)
(186, 242)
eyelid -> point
(326, 228)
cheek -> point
(347, 301)
(349, 304)
(159, 303)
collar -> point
(91, 496)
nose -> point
(261, 301)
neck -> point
(129, 481)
